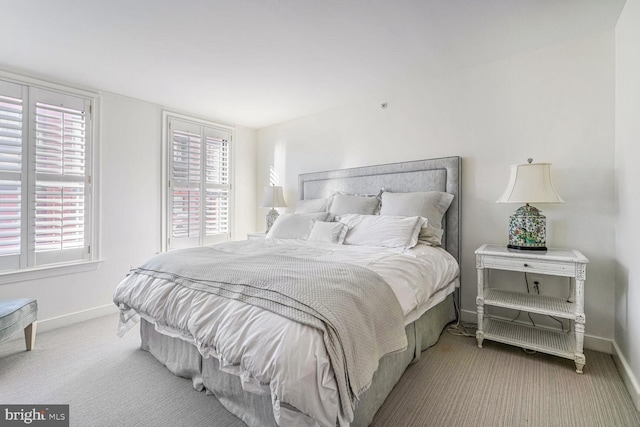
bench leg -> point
(30, 335)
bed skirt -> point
(184, 360)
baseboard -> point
(69, 319)
(600, 344)
(469, 316)
(627, 375)
(591, 342)
(77, 317)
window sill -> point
(13, 276)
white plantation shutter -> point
(59, 216)
(60, 140)
(44, 177)
(216, 182)
(12, 124)
(60, 128)
(216, 211)
(199, 184)
(11, 134)
(186, 170)
(60, 153)
(10, 203)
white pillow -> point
(330, 232)
(387, 231)
(431, 205)
(311, 206)
(352, 204)
(294, 226)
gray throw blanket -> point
(354, 307)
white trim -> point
(196, 119)
(469, 316)
(600, 344)
(96, 178)
(627, 375)
(164, 179)
(67, 88)
(77, 317)
(232, 187)
(46, 271)
(69, 319)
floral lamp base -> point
(271, 218)
(527, 229)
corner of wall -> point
(630, 381)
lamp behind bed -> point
(273, 198)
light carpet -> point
(109, 381)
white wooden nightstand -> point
(256, 236)
(555, 262)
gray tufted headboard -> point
(420, 175)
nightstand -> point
(555, 262)
(256, 236)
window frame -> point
(91, 260)
(166, 177)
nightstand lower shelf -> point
(547, 341)
(532, 303)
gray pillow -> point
(431, 205)
(330, 232)
(351, 204)
(311, 206)
(294, 226)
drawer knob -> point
(526, 265)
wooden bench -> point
(16, 315)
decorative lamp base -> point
(527, 229)
(271, 218)
(527, 248)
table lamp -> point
(273, 198)
(529, 183)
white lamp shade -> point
(273, 197)
(530, 183)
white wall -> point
(627, 321)
(555, 105)
(130, 211)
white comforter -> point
(272, 354)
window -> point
(45, 177)
(198, 184)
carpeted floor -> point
(109, 381)
(455, 383)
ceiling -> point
(261, 62)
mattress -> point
(417, 275)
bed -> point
(242, 319)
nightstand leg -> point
(479, 331)
(580, 359)
(480, 307)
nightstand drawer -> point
(534, 266)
